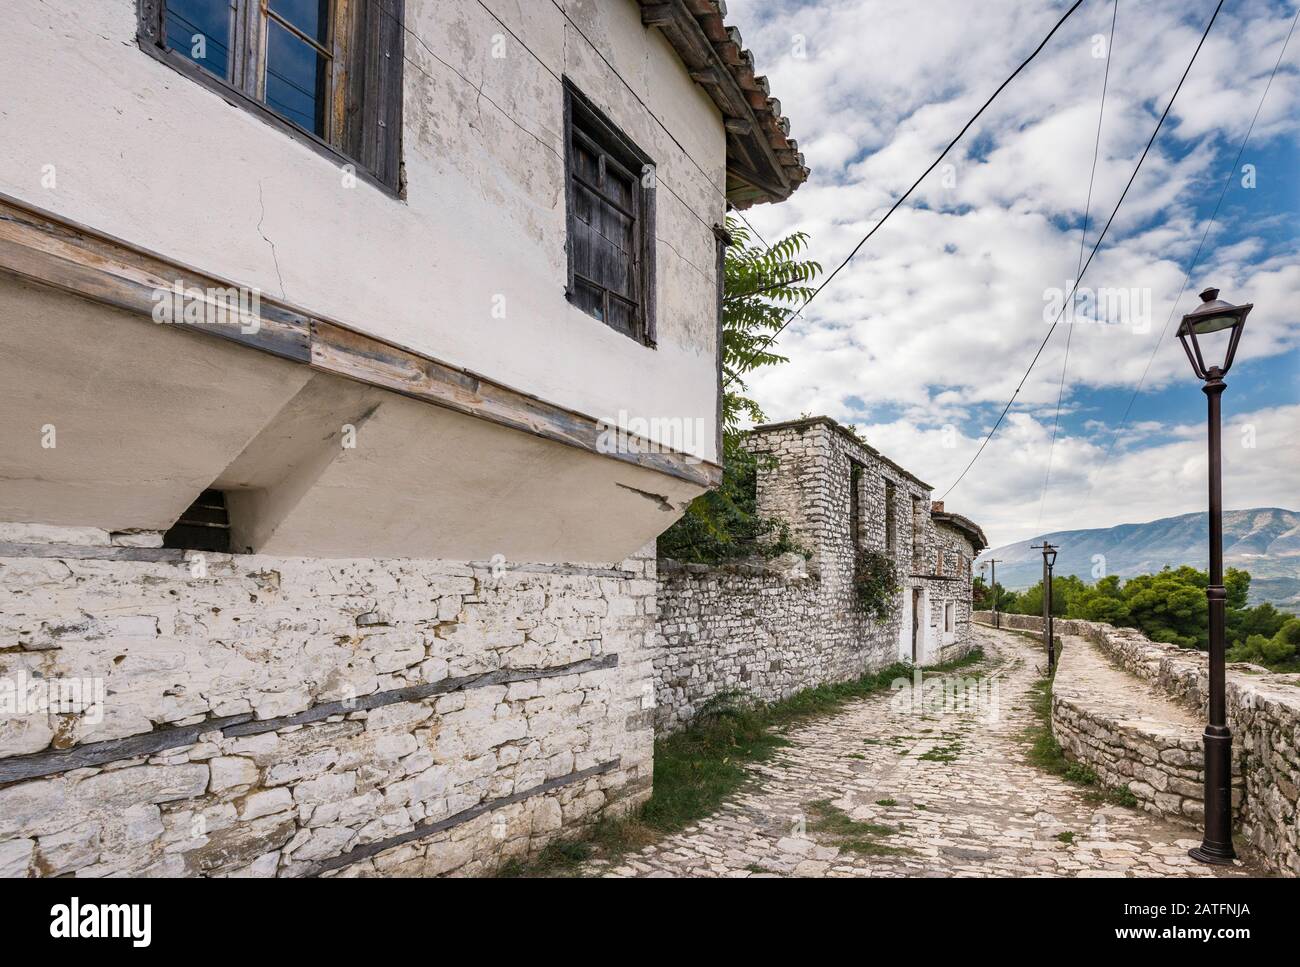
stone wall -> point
(768, 630)
(807, 483)
(745, 628)
(1130, 733)
(1263, 713)
(247, 715)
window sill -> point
(640, 340)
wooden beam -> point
(44, 248)
(657, 14)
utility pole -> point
(997, 618)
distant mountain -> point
(1264, 541)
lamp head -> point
(1211, 331)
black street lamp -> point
(1049, 557)
(1049, 561)
(1223, 323)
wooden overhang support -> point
(42, 247)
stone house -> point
(318, 555)
(769, 631)
(957, 542)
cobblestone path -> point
(885, 788)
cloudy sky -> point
(922, 339)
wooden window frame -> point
(856, 477)
(363, 116)
(917, 536)
(891, 518)
(595, 127)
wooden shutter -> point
(611, 222)
(372, 89)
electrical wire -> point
(902, 198)
(1227, 181)
(1100, 239)
(1083, 239)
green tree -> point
(1170, 606)
(761, 286)
(1277, 652)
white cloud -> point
(937, 317)
(1145, 478)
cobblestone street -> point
(885, 788)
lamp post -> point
(1049, 561)
(1223, 323)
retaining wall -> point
(288, 717)
(1263, 713)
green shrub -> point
(875, 583)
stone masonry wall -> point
(770, 630)
(287, 717)
(746, 629)
(1263, 713)
(1130, 734)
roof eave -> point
(764, 163)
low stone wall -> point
(245, 715)
(1263, 713)
(741, 628)
(1029, 622)
(1128, 732)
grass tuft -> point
(848, 833)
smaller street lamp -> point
(1049, 561)
(1049, 555)
(1212, 331)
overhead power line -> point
(1083, 241)
(1227, 181)
(902, 198)
(1100, 238)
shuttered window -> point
(610, 196)
(327, 71)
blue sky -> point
(923, 338)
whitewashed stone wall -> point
(1263, 713)
(290, 717)
(948, 587)
(746, 629)
(767, 632)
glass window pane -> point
(312, 17)
(295, 79)
(201, 30)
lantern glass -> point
(1051, 558)
(1205, 326)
